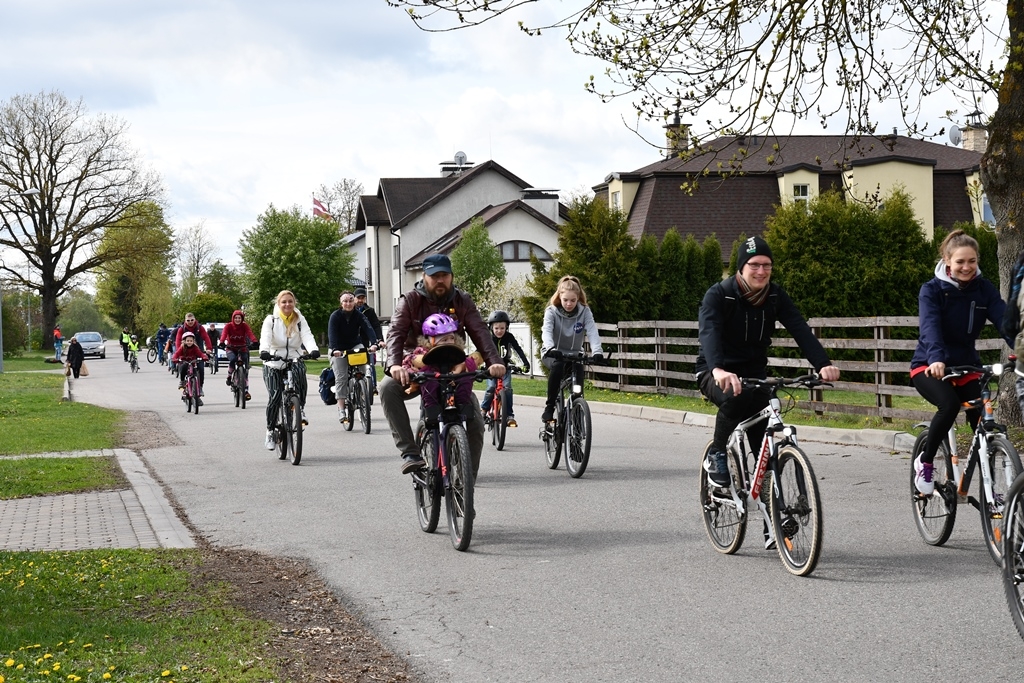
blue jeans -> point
(57, 347)
(492, 384)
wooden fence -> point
(658, 356)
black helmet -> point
(498, 317)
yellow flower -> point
(106, 677)
(1, 679)
(184, 667)
(165, 673)
(9, 662)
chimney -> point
(677, 137)
(975, 134)
(544, 201)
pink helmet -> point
(438, 324)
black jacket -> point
(74, 355)
(371, 316)
(735, 336)
(506, 345)
(346, 330)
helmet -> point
(187, 335)
(134, 338)
(438, 324)
(498, 317)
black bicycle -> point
(360, 389)
(444, 448)
(151, 353)
(288, 425)
(990, 452)
(238, 380)
(1013, 551)
(572, 423)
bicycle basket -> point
(357, 358)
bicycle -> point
(133, 361)
(794, 505)
(496, 415)
(191, 394)
(360, 392)
(1013, 551)
(239, 377)
(444, 448)
(151, 354)
(990, 450)
(288, 424)
(572, 423)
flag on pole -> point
(320, 211)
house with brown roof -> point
(409, 218)
(741, 179)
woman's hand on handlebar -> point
(727, 381)
(936, 370)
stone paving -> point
(139, 517)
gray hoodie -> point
(565, 331)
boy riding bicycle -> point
(506, 342)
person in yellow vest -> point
(125, 339)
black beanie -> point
(755, 246)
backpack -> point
(327, 387)
(1011, 317)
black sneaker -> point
(549, 414)
(717, 467)
(412, 462)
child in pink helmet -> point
(439, 346)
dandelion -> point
(9, 662)
(106, 676)
(184, 667)
(165, 672)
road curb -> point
(878, 438)
(67, 389)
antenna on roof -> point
(954, 135)
(460, 159)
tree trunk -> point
(1002, 174)
(49, 303)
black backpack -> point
(327, 387)
(1011, 318)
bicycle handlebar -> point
(578, 357)
(810, 381)
(994, 370)
(304, 356)
(421, 377)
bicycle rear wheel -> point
(294, 429)
(796, 511)
(1005, 466)
(459, 496)
(284, 433)
(577, 438)
(934, 515)
(194, 390)
(427, 492)
(552, 435)
(151, 355)
(726, 526)
(1013, 551)
(364, 404)
(350, 406)
(242, 379)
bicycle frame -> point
(450, 414)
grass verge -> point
(122, 615)
(33, 419)
(49, 476)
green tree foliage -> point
(287, 250)
(79, 313)
(210, 308)
(476, 262)
(838, 258)
(157, 303)
(647, 295)
(220, 279)
(687, 270)
(15, 334)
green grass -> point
(33, 419)
(122, 615)
(31, 360)
(48, 476)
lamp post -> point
(27, 193)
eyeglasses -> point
(767, 267)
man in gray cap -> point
(433, 294)
(371, 316)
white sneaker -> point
(924, 479)
(305, 421)
(271, 443)
(342, 413)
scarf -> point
(755, 299)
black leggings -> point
(948, 399)
(555, 375)
(734, 409)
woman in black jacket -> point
(75, 357)
(735, 325)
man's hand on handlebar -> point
(496, 370)
(727, 381)
(399, 374)
(829, 373)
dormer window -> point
(801, 193)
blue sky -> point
(241, 104)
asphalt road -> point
(605, 578)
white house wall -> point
(518, 226)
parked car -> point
(93, 344)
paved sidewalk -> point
(139, 517)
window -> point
(617, 201)
(520, 251)
(396, 257)
(801, 193)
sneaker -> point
(305, 420)
(511, 423)
(342, 413)
(201, 392)
(923, 476)
(181, 386)
(228, 380)
(717, 467)
(247, 396)
(271, 442)
(769, 543)
(549, 414)
(412, 462)
(199, 402)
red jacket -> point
(184, 353)
(237, 336)
(414, 307)
(202, 338)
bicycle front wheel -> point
(294, 430)
(1004, 464)
(364, 404)
(151, 355)
(427, 492)
(501, 422)
(934, 515)
(194, 390)
(724, 523)
(577, 438)
(796, 511)
(1013, 551)
(459, 496)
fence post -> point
(623, 363)
(660, 364)
(817, 394)
(882, 356)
